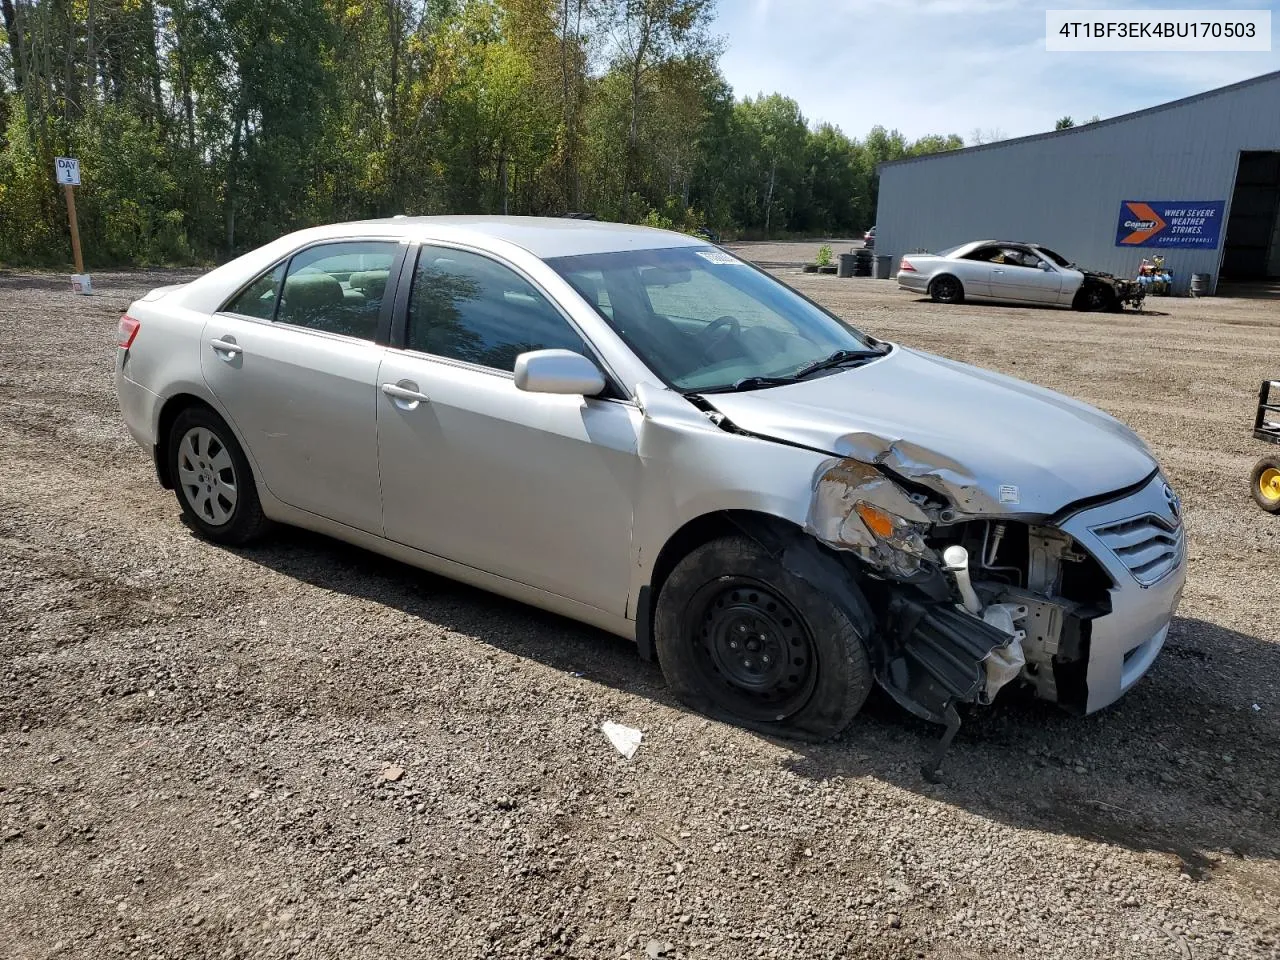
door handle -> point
(996, 270)
(405, 392)
(230, 348)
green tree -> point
(208, 126)
(644, 35)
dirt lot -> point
(192, 740)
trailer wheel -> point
(1265, 484)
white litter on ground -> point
(626, 739)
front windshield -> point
(702, 319)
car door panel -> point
(304, 403)
(1014, 280)
(293, 359)
(537, 488)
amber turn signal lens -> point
(878, 521)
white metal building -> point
(1196, 181)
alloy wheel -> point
(207, 476)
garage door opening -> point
(1251, 252)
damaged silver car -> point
(640, 431)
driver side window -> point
(1018, 257)
(467, 307)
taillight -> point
(127, 330)
(905, 266)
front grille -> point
(1150, 547)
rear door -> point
(293, 359)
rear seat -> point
(372, 283)
(306, 294)
(318, 300)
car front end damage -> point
(1123, 291)
(1075, 605)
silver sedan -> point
(640, 431)
(1007, 272)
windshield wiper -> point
(749, 383)
(837, 359)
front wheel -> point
(1095, 298)
(212, 478)
(946, 289)
(743, 639)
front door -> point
(537, 488)
(294, 362)
(1016, 275)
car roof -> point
(544, 237)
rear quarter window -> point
(259, 298)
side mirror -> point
(1044, 265)
(558, 371)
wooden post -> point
(75, 228)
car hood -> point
(1108, 277)
(990, 443)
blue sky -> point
(950, 66)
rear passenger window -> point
(338, 287)
(259, 298)
(468, 307)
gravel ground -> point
(306, 750)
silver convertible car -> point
(1007, 272)
(638, 430)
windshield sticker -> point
(1009, 493)
(716, 256)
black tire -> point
(215, 516)
(1095, 298)
(946, 289)
(732, 588)
(1264, 484)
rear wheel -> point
(742, 639)
(212, 478)
(1265, 484)
(946, 289)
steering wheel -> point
(708, 339)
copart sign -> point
(1170, 223)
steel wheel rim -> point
(207, 476)
(755, 647)
(1269, 483)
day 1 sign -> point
(67, 170)
(1170, 224)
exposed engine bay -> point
(1129, 292)
(964, 607)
